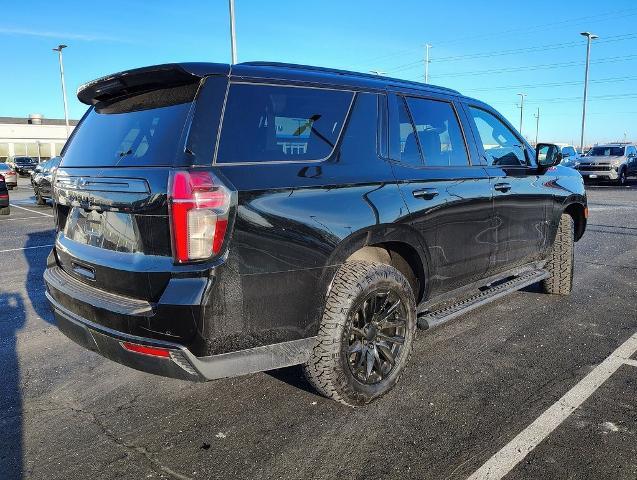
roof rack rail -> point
(337, 71)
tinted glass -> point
(500, 145)
(360, 139)
(409, 150)
(264, 123)
(606, 152)
(568, 151)
(139, 131)
(439, 133)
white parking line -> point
(514, 452)
(32, 211)
(20, 218)
(25, 248)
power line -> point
(517, 31)
(545, 66)
(551, 84)
(540, 48)
(609, 15)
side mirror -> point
(548, 154)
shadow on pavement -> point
(36, 260)
(292, 376)
(13, 317)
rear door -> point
(111, 185)
(448, 195)
(521, 196)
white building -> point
(34, 136)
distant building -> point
(34, 136)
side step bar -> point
(434, 318)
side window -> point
(409, 151)
(439, 133)
(360, 138)
(264, 123)
(568, 152)
(501, 146)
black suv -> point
(24, 165)
(217, 220)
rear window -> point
(264, 123)
(144, 130)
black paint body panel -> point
(295, 223)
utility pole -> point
(233, 37)
(522, 95)
(427, 47)
(66, 108)
(589, 37)
(537, 124)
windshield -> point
(606, 152)
(24, 160)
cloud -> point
(87, 37)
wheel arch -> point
(398, 246)
(579, 212)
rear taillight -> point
(199, 208)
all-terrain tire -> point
(328, 369)
(39, 200)
(561, 259)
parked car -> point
(23, 165)
(613, 161)
(41, 179)
(4, 197)
(569, 155)
(217, 220)
(10, 177)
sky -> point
(491, 51)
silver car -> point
(614, 161)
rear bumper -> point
(180, 362)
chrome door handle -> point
(425, 193)
(502, 187)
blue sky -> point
(491, 53)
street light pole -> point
(427, 47)
(537, 125)
(66, 108)
(589, 36)
(522, 95)
(233, 38)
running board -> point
(437, 317)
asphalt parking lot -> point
(472, 400)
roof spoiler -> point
(140, 80)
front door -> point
(521, 196)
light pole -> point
(233, 38)
(589, 37)
(427, 47)
(522, 95)
(537, 125)
(66, 108)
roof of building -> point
(29, 121)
